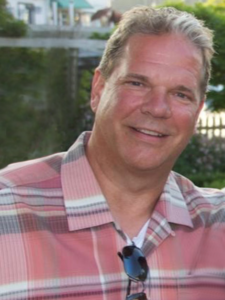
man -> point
(66, 217)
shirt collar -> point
(87, 207)
(172, 204)
(84, 202)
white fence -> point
(212, 124)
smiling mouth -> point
(150, 132)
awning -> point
(78, 4)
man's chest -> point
(53, 263)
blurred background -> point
(48, 52)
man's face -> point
(147, 110)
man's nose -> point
(156, 103)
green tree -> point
(20, 75)
(67, 98)
(9, 27)
(218, 5)
(44, 103)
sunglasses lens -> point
(135, 263)
(139, 296)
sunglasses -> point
(136, 268)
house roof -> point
(78, 4)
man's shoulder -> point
(32, 173)
(199, 195)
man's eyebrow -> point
(135, 76)
(184, 88)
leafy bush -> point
(214, 180)
(203, 161)
(67, 109)
(21, 116)
(41, 110)
(100, 36)
(9, 27)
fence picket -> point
(212, 124)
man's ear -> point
(98, 84)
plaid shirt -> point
(58, 239)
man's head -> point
(149, 89)
(146, 20)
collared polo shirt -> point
(58, 239)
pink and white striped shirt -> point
(58, 239)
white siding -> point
(39, 14)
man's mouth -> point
(150, 132)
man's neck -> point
(131, 195)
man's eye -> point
(134, 83)
(182, 95)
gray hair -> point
(147, 20)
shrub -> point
(203, 161)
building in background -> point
(30, 11)
(70, 12)
(51, 12)
(122, 6)
(75, 12)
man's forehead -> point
(163, 44)
(168, 49)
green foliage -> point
(214, 18)
(217, 183)
(213, 180)
(20, 71)
(40, 113)
(100, 36)
(203, 161)
(67, 105)
(218, 5)
(9, 27)
(85, 117)
(21, 98)
(42, 109)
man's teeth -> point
(149, 132)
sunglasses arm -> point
(128, 287)
(120, 255)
